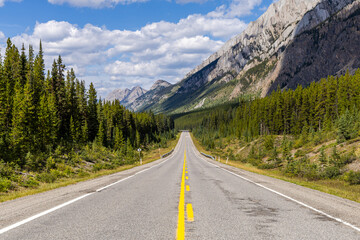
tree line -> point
(331, 104)
(39, 112)
(281, 130)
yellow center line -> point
(187, 177)
(189, 212)
(180, 234)
(187, 188)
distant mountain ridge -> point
(293, 42)
(126, 96)
(137, 97)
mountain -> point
(145, 101)
(293, 42)
(126, 96)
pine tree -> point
(92, 113)
(85, 132)
(38, 75)
(23, 117)
(119, 139)
(138, 139)
(73, 130)
(100, 138)
(23, 67)
(48, 120)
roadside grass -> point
(148, 157)
(335, 187)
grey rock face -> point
(146, 100)
(126, 96)
(281, 36)
(293, 42)
(269, 35)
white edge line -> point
(283, 195)
(42, 214)
(15, 225)
(289, 198)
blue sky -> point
(123, 43)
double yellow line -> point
(180, 234)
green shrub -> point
(35, 163)
(352, 177)
(299, 153)
(46, 177)
(269, 143)
(5, 184)
(30, 183)
(330, 172)
(50, 163)
(6, 170)
(302, 168)
(82, 173)
(97, 167)
(267, 166)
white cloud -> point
(2, 2)
(122, 58)
(94, 3)
(240, 8)
(2, 36)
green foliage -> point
(302, 168)
(352, 177)
(347, 125)
(323, 158)
(330, 172)
(5, 184)
(47, 122)
(305, 117)
(47, 177)
(30, 183)
(269, 142)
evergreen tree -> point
(119, 139)
(23, 67)
(92, 113)
(23, 117)
(37, 75)
(100, 138)
(48, 120)
(85, 132)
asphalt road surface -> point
(182, 196)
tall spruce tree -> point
(92, 113)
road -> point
(182, 196)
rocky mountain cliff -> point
(293, 42)
(156, 92)
(126, 96)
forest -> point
(283, 129)
(51, 125)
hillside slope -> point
(293, 42)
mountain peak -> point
(126, 95)
(293, 42)
(160, 84)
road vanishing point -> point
(183, 196)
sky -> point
(126, 43)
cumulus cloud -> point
(240, 8)
(94, 3)
(123, 58)
(2, 2)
